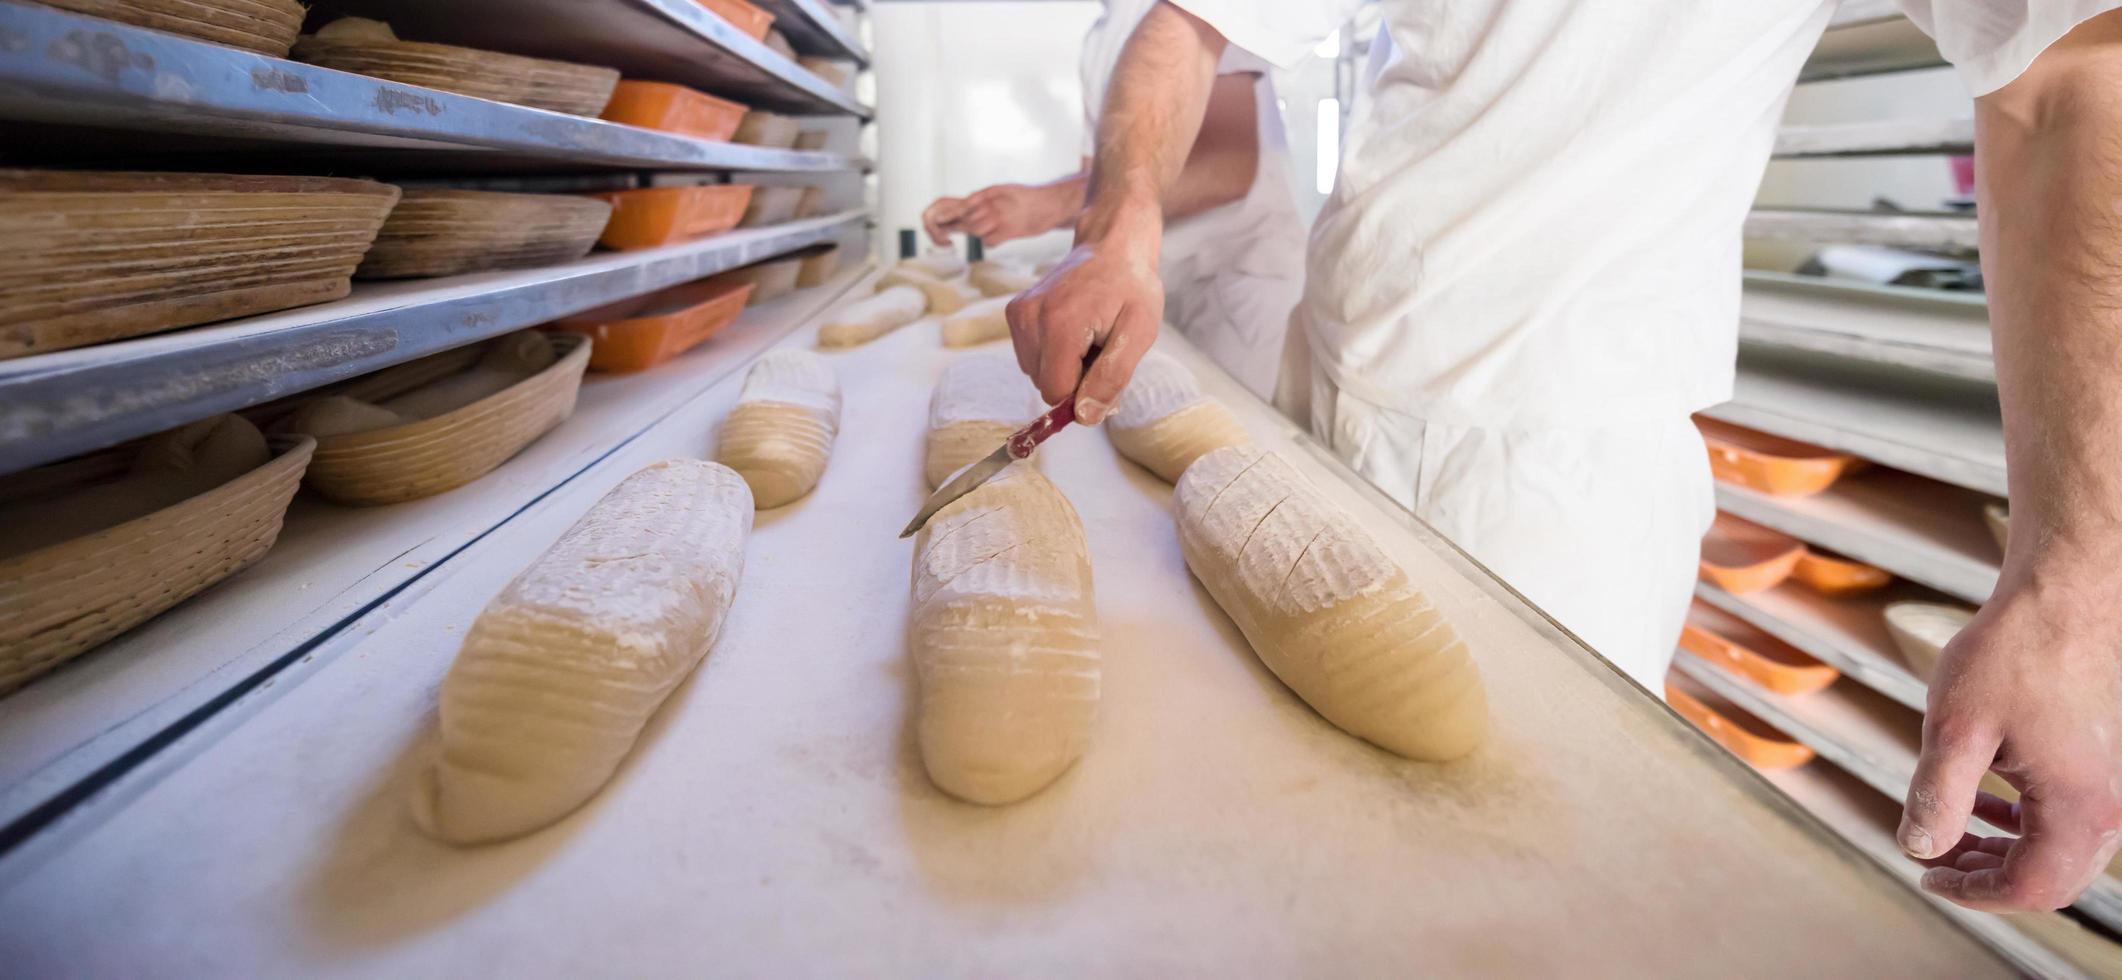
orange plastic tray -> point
(1771, 464)
(653, 216)
(673, 109)
(1836, 576)
(1740, 556)
(1740, 647)
(742, 16)
(645, 331)
(1748, 737)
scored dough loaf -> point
(940, 263)
(781, 432)
(943, 297)
(978, 402)
(1004, 638)
(993, 278)
(867, 319)
(1324, 608)
(978, 323)
(560, 672)
(1164, 422)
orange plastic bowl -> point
(742, 16)
(1740, 556)
(1771, 464)
(640, 333)
(1836, 576)
(673, 109)
(653, 216)
(1748, 737)
(1746, 650)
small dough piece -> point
(979, 323)
(943, 298)
(939, 263)
(357, 29)
(1004, 638)
(170, 468)
(506, 362)
(978, 402)
(1164, 422)
(781, 432)
(994, 278)
(339, 415)
(560, 672)
(867, 319)
(1325, 609)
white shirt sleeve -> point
(1991, 42)
(1281, 31)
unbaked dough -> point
(338, 415)
(560, 672)
(942, 263)
(169, 468)
(979, 401)
(1164, 422)
(943, 297)
(507, 361)
(1922, 629)
(1329, 612)
(995, 278)
(1004, 638)
(781, 432)
(979, 323)
(867, 319)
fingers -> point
(1023, 314)
(1061, 353)
(1955, 755)
(1125, 343)
(2001, 813)
(941, 216)
(2065, 846)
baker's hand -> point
(1105, 294)
(942, 218)
(2032, 688)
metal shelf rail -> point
(57, 405)
(1921, 530)
(1921, 329)
(813, 29)
(60, 68)
(1923, 230)
(1894, 137)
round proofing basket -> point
(65, 599)
(265, 26)
(449, 232)
(424, 458)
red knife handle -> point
(1024, 440)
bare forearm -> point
(1153, 110)
(2050, 158)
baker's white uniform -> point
(1527, 276)
(1231, 273)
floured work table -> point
(775, 818)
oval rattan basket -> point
(450, 232)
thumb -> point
(1942, 794)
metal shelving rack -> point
(79, 91)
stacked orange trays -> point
(1746, 650)
(742, 16)
(1771, 464)
(1740, 556)
(673, 109)
(653, 216)
(642, 332)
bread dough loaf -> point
(1004, 638)
(506, 361)
(781, 432)
(1164, 422)
(940, 263)
(978, 402)
(1332, 615)
(169, 468)
(1923, 629)
(867, 319)
(338, 415)
(979, 323)
(563, 668)
(994, 278)
(942, 297)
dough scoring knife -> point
(1019, 446)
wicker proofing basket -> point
(557, 85)
(424, 458)
(265, 26)
(450, 232)
(59, 601)
(94, 257)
